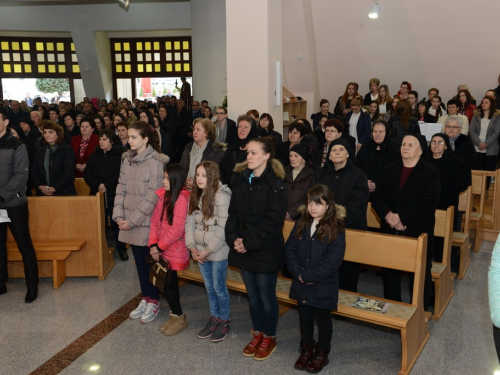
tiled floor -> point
(36, 336)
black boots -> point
(3, 288)
(319, 360)
(32, 294)
(306, 352)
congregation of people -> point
(182, 182)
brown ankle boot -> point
(319, 360)
(179, 323)
(306, 352)
(253, 346)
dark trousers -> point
(171, 294)
(264, 309)
(120, 246)
(486, 163)
(496, 338)
(147, 289)
(392, 282)
(325, 329)
(349, 276)
(19, 226)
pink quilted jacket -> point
(171, 238)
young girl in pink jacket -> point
(166, 239)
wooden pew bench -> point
(462, 239)
(72, 225)
(55, 251)
(405, 254)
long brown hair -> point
(207, 196)
(330, 224)
(388, 98)
(346, 95)
(145, 130)
(403, 109)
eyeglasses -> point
(219, 113)
(452, 127)
(435, 143)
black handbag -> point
(160, 272)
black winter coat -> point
(232, 156)
(373, 161)
(256, 214)
(213, 152)
(415, 204)
(104, 168)
(350, 190)
(397, 131)
(297, 189)
(464, 149)
(454, 177)
(315, 262)
(62, 170)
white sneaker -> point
(152, 311)
(137, 313)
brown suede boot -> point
(306, 352)
(319, 360)
(166, 324)
(178, 324)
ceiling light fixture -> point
(124, 2)
(374, 9)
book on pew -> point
(371, 304)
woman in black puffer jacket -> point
(102, 173)
(253, 232)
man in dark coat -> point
(13, 177)
(461, 145)
(406, 201)
(182, 123)
(350, 189)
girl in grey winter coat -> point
(205, 238)
(141, 175)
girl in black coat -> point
(314, 253)
(53, 171)
(102, 173)
(454, 177)
(350, 189)
(254, 235)
(375, 154)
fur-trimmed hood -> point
(477, 113)
(341, 211)
(277, 167)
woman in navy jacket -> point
(314, 252)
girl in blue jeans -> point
(205, 238)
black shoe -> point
(3, 288)
(123, 256)
(31, 295)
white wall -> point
(428, 43)
(208, 28)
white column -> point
(254, 45)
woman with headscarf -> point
(237, 152)
(350, 189)
(455, 178)
(375, 154)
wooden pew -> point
(441, 272)
(381, 250)
(55, 251)
(81, 187)
(479, 179)
(69, 218)
(461, 239)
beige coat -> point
(140, 176)
(209, 234)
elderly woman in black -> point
(298, 178)
(334, 129)
(455, 178)
(53, 170)
(296, 133)
(237, 152)
(350, 189)
(375, 154)
(102, 173)
(406, 201)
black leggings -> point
(496, 338)
(325, 330)
(171, 294)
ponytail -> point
(145, 130)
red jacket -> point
(469, 112)
(171, 238)
(75, 145)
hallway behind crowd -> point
(188, 189)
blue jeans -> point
(261, 290)
(147, 289)
(214, 276)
